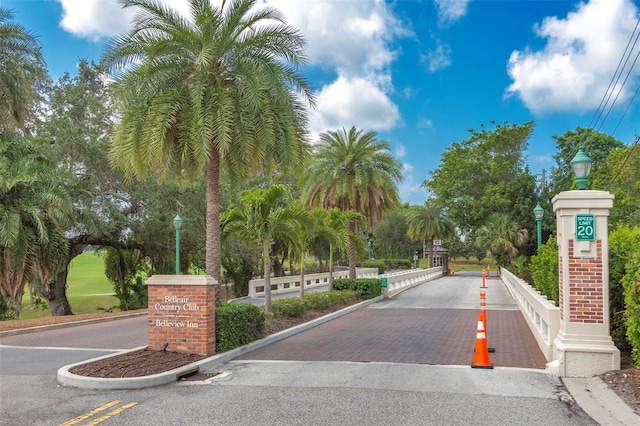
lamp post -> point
(581, 165)
(369, 249)
(177, 223)
(538, 212)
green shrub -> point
(544, 270)
(373, 264)
(238, 324)
(291, 307)
(7, 313)
(319, 300)
(365, 288)
(398, 264)
(624, 297)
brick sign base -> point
(182, 316)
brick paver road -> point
(434, 323)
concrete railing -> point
(289, 283)
(402, 280)
(541, 314)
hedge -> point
(238, 324)
(365, 288)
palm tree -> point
(502, 237)
(34, 209)
(263, 216)
(21, 67)
(353, 171)
(218, 87)
(427, 222)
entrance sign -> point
(585, 227)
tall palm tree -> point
(216, 87)
(262, 216)
(353, 171)
(34, 209)
(21, 67)
(427, 222)
(502, 237)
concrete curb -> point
(66, 378)
(69, 324)
(601, 403)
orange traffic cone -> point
(483, 314)
(481, 356)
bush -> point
(373, 264)
(364, 288)
(292, 307)
(398, 264)
(324, 300)
(238, 324)
(7, 313)
(544, 270)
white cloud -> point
(350, 36)
(96, 19)
(451, 10)
(574, 69)
(437, 58)
(353, 102)
(401, 151)
(425, 123)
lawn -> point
(88, 289)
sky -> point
(422, 73)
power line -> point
(609, 90)
(626, 159)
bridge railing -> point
(541, 314)
(403, 280)
(292, 282)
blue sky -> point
(421, 73)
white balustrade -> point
(541, 314)
(292, 282)
(399, 281)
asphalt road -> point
(259, 392)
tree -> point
(391, 238)
(486, 174)
(21, 70)
(34, 210)
(428, 222)
(353, 171)
(214, 88)
(595, 144)
(262, 216)
(502, 237)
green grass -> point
(87, 288)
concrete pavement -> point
(402, 354)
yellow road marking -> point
(90, 413)
(111, 414)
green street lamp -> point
(581, 165)
(538, 212)
(177, 223)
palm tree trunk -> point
(266, 261)
(330, 267)
(353, 251)
(302, 277)
(213, 250)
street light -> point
(581, 165)
(177, 223)
(538, 212)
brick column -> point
(583, 347)
(182, 313)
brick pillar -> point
(583, 347)
(182, 313)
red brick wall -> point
(586, 298)
(184, 317)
